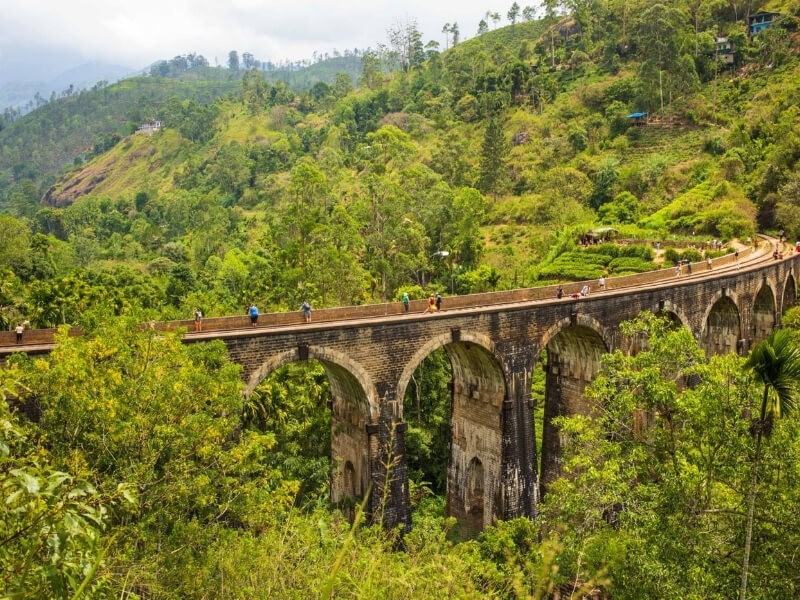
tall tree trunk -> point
(751, 508)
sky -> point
(42, 38)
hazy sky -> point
(49, 36)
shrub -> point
(625, 264)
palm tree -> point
(775, 363)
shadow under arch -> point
(474, 469)
(575, 347)
(765, 312)
(789, 297)
(722, 324)
(354, 404)
(674, 313)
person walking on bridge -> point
(198, 320)
(405, 301)
(253, 311)
(19, 329)
(431, 305)
(305, 307)
(438, 302)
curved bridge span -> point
(493, 342)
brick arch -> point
(765, 310)
(586, 321)
(354, 404)
(343, 373)
(789, 297)
(479, 390)
(670, 307)
(574, 349)
(441, 341)
(722, 324)
(475, 504)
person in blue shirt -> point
(406, 301)
(306, 308)
(253, 311)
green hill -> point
(148, 475)
(502, 150)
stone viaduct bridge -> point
(493, 342)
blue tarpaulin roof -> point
(637, 115)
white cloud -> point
(135, 34)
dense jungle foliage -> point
(132, 467)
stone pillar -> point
(389, 499)
(553, 407)
(518, 481)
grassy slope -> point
(656, 164)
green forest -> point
(131, 465)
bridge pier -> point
(519, 492)
(493, 341)
(389, 502)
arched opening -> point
(349, 483)
(475, 497)
(789, 293)
(763, 314)
(454, 436)
(317, 412)
(638, 341)
(427, 411)
(572, 360)
(723, 330)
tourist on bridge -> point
(585, 290)
(406, 302)
(560, 291)
(198, 319)
(602, 282)
(19, 330)
(253, 312)
(438, 302)
(305, 308)
(431, 305)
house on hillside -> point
(149, 128)
(724, 50)
(638, 118)
(760, 21)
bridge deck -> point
(42, 340)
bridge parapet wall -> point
(45, 336)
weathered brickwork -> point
(494, 471)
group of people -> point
(601, 283)
(305, 309)
(688, 265)
(252, 311)
(434, 303)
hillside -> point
(82, 122)
(614, 139)
(502, 150)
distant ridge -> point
(21, 94)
